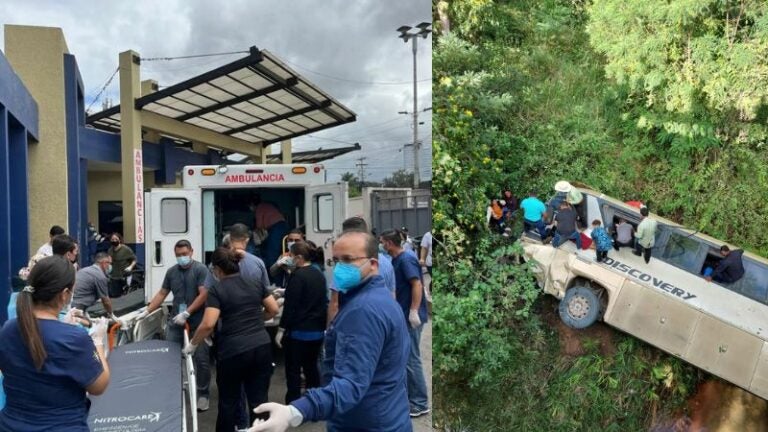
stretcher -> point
(148, 384)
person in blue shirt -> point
(603, 240)
(533, 214)
(410, 296)
(48, 365)
(366, 353)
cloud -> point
(349, 49)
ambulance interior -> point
(223, 208)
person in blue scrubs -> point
(48, 365)
(366, 349)
(409, 293)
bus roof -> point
(665, 221)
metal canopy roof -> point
(257, 99)
(313, 156)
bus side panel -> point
(759, 384)
(634, 311)
(653, 317)
(725, 351)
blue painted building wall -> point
(18, 125)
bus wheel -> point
(580, 307)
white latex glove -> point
(124, 323)
(281, 417)
(283, 261)
(98, 331)
(279, 337)
(280, 301)
(142, 314)
(279, 292)
(181, 318)
(413, 318)
(189, 349)
(127, 269)
(72, 316)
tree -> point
(349, 177)
(400, 179)
(354, 184)
(694, 69)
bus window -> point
(683, 251)
(754, 283)
(711, 261)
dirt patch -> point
(573, 342)
(718, 406)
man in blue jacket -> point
(366, 349)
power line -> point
(104, 87)
(365, 129)
(192, 56)
(350, 80)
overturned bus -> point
(720, 328)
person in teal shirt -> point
(533, 214)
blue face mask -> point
(109, 269)
(382, 250)
(346, 276)
(183, 260)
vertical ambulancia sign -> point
(138, 187)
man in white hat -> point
(572, 196)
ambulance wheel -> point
(580, 307)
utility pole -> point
(362, 166)
(405, 160)
(405, 35)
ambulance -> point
(215, 197)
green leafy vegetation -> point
(659, 101)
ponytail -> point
(47, 279)
(310, 252)
(30, 332)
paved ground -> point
(207, 420)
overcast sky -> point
(349, 48)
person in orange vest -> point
(495, 216)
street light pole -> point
(422, 30)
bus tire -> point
(580, 307)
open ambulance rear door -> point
(172, 215)
(325, 210)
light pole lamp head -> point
(425, 29)
(404, 35)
